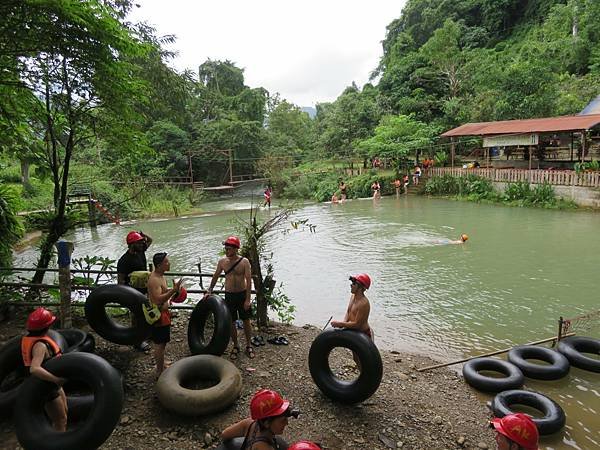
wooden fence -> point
(535, 176)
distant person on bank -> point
(160, 295)
(238, 287)
(134, 260)
(36, 348)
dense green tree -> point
(398, 137)
(76, 65)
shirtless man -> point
(238, 284)
(161, 295)
(357, 315)
(343, 191)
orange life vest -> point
(27, 343)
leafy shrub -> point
(543, 194)
(11, 228)
(517, 191)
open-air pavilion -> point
(566, 138)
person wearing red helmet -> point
(36, 348)
(238, 286)
(134, 260)
(269, 414)
(515, 432)
(161, 295)
(357, 314)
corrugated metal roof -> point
(545, 125)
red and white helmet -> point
(133, 237)
(267, 403)
(181, 296)
(363, 279)
(519, 428)
(39, 319)
(304, 445)
(233, 241)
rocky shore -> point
(411, 410)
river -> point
(520, 270)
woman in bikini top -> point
(269, 414)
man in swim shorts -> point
(238, 285)
(343, 191)
(160, 295)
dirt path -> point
(411, 410)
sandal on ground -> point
(283, 340)
(261, 340)
(255, 341)
(233, 354)
(250, 351)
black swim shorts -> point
(160, 335)
(235, 304)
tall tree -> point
(77, 65)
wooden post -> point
(91, 211)
(583, 144)
(560, 328)
(530, 152)
(65, 249)
(452, 151)
(199, 265)
(230, 167)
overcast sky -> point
(308, 51)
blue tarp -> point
(593, 107)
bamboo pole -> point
(497, 352)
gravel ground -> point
(410, 410)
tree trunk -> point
(25, 172)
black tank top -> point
(249, 441)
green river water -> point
(520, 270)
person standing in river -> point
(238, 286)
(343, 191)
(134, 260)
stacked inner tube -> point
(557, 367)
(105, 326)
(78, 340)
(371, 370)
(35, 432)
(553, 415)
(513, 377)
(174, 396)
(12, 368)
(574, 348)
(219, 340)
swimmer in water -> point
(463, 238)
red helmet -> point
(363, 279)
(181, 295)
(518, 428)
(39, 319)
(134, 236)
(304, 445)
(232, 241)
(267, 403)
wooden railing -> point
(535, 176)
